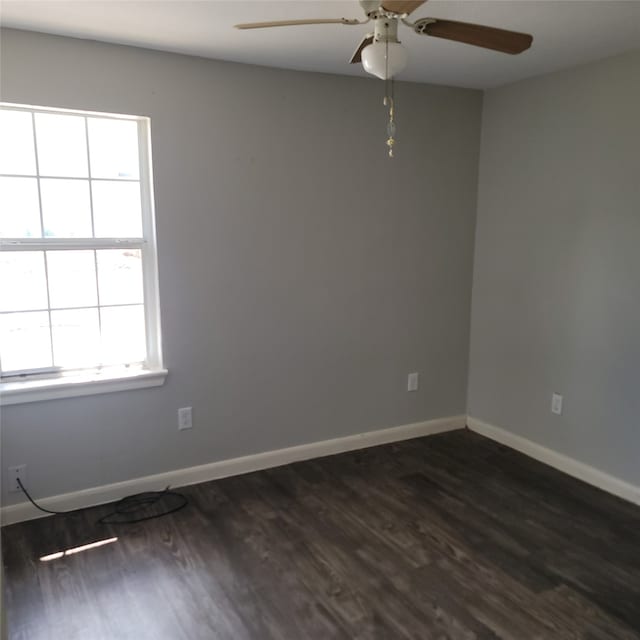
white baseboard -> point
(559, 461)
(182, 477)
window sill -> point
(81, 385)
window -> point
(79, 307)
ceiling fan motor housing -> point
(386, 29)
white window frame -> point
(34, 386)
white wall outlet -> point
(185, 418)
(412, 382)
(556, 404)
(14, 473)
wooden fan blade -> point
(478, 35)
(402, 6)
(291, 23)
(357, 56)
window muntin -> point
(78, 275)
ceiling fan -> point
(381, 53)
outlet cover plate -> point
(185, 418)
(556, 404)
(19, 471)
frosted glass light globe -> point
(374, 59)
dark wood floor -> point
(450, 536)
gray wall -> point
(556, 294)
(303, 275)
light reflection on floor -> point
(84, 547)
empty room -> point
(319, 320)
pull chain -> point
(388, 101)
(391, 124)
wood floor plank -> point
(449, 537)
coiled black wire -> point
(130, 509)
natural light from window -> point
(70, 552)
(77, 266)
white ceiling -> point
(566, 32)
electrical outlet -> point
(412, 382)
(556, 404)
(185, 418)
(14, 473)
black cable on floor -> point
(129, 509)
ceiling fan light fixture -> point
(381, 53)
(384, 59)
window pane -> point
(113, 148)
(17, 153)
(23, 285)
(19, 208)
(120, 276)
(24, 341)
(72, 279)
(123, 334)
(66, 208)
(116, 209)
(62, 145)
(76, 338)
(65, 176)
